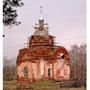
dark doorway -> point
(49, 72)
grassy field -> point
(40, 85)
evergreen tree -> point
(10, 11)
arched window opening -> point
(25, 71)
(62, 56)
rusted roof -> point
(41, 52)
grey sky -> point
(66, 20)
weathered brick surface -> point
(43, 58)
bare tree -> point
(82, 62)
(74, 60)
(78, 62)
(9, 69)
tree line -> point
(78, 62)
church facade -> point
(42, 59)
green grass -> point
(38, 85)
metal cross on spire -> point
(41, 9)
(41, 12)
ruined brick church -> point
(42, 59)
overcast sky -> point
(66, 20)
